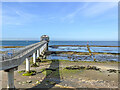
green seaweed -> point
(35, 65)
(32, 72)
(22, 71)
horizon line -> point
(58, 40)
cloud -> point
(12, 16)
(71, 16)
(89, 9)
(98, 9)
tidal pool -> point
(69, 48)
(99, 57)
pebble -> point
(19, 83)
(46, 84)
(80, 79)
(23, 82)
(33, 84)
(37, 82)
(40, 80)
(29, 81)
(66, 85)
(52, 82)
(83, 80)
(100, 81)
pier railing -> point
(15, 53)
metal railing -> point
(21, 52)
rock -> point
(100, 81)
(52, 82)
(29, 81)
(33, 84)
(38, 82)
(46, 84)
(83, 82)
(50, 69)
(66, 85)
(75, 67)
(23, 82)
(19, 83)
(112, 70)
(92, 68)
(118, 71)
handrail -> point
(23, 50)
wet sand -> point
(57, 76)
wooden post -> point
(34, 58)
(27, 65)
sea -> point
(25, 43)
(69, 48)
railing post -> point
(27, 65)
(37, 53)
(34, 58)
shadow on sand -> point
(52, 77)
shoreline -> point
(56, 46)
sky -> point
(61, 21)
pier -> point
(10, 64)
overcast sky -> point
(60, 21)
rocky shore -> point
(67, 74)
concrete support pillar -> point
(40, 51)
(37, 53)
(27, 65)
(47, 46)
(10, 79)
(34, 58)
